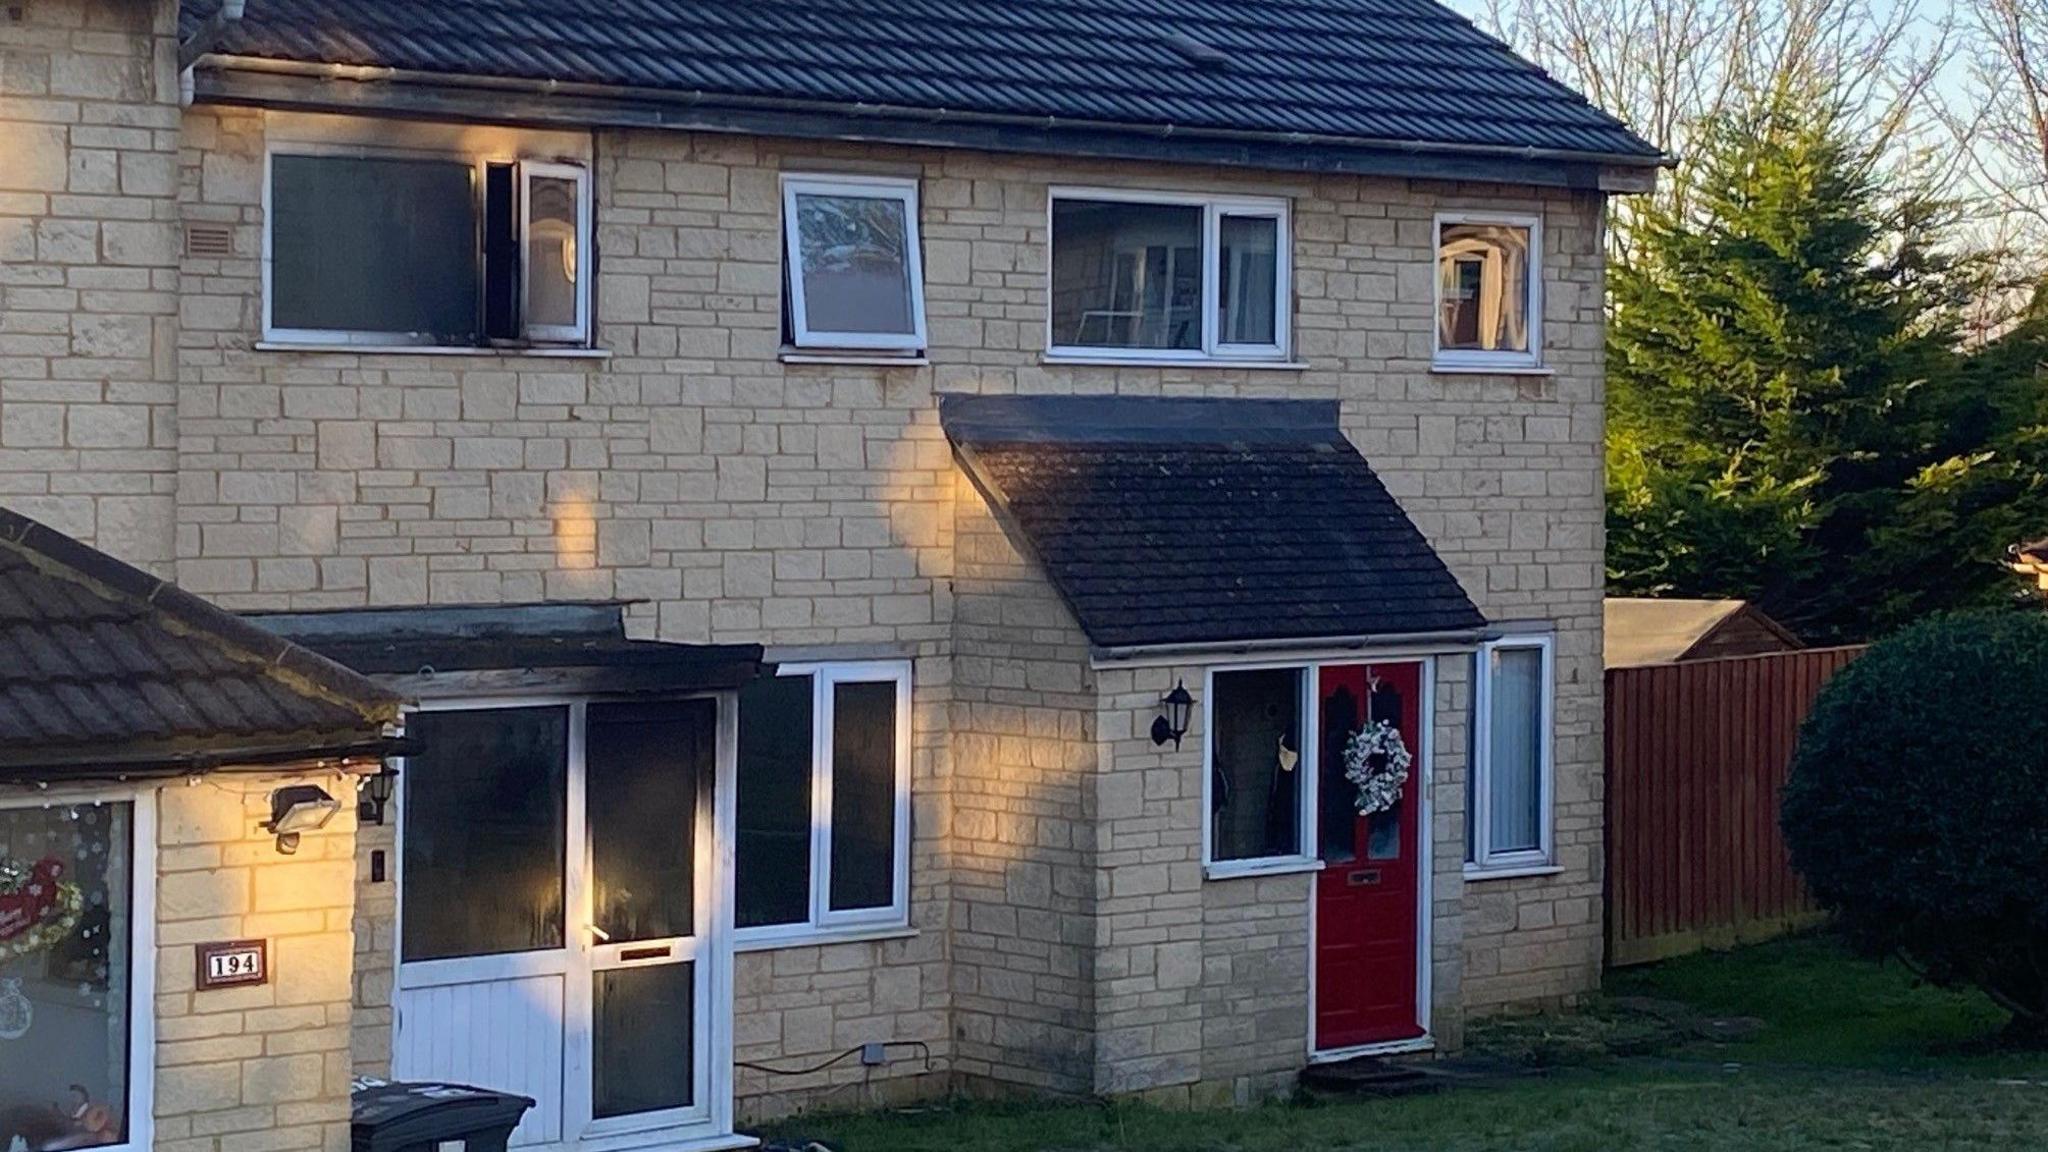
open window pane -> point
(1515, 760)
(1483, 291)
(773, 869)
(554, 255)
(1247, 304)
(854, 254)
(1126, 275)
(66, 972)
(487, 796)
(374, 245)
(1255, 760)
(863, 796)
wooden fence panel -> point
(1697, 754)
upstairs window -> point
(1489, 293)
(1156, 276)
(823, 802)
(855, 275)
(420, 250)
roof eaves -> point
(267, 82)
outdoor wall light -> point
(1176, 707)
(374, 793)
(297, 809)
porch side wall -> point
(267, 1066)
(89, 294)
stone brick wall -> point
(815, 508)
(265, 1067)
(1024, 869)
(89, 270)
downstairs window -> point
(1509, 802)
(73, 983)
(823, 801)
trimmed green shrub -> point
(1917, 808)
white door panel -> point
(505, 1035)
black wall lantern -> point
(375, 792)
(1176, 708)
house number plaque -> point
(232, 964)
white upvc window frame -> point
(1481, 861)
(1214, 209)
(542, 337)
(579, 332)
(1304, 858)
(1474, 360)
(900, 189)
(824, 924)
(142, 943)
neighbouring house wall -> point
(89, 299)
(263, 1067)
(1026, 878)
(814, 508)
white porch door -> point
(559, 930)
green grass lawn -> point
(1852, 1056)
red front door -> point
(1366, 895)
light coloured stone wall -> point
(1025, 874)
(89, 270)
(267, 1067)
(738, 498)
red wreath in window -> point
(38, 907)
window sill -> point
(803, 936)
(545, 353)
(1511, 872)
(1245, 869)
(1441, 369)
(854, 359)
(1066, 360)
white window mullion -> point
(821, 797)
(1212, 278)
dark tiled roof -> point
(1168, 522)
(1393, 72)
(106, 669)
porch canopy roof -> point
(512, 649)
(1198, 522)
(107, 672)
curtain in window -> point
(1255, 790)
(1516, 761)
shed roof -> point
(1644, 630)
(1392, 74)
(106, 670)
(1168, 522)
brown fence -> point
(1696, 755)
